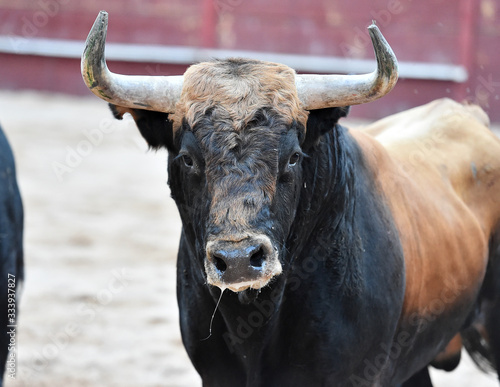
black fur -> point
(328, 307)
(320, 122)
(155, 127)
(420, 379)
(11, 246)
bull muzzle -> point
(242, 264)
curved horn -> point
(159, 93)
(324, 91)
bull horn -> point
(159, 93)
(324, 91)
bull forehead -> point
(238, 88)
(241, 169)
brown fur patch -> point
(438, 172)
(238, 88)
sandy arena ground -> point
(101, 233)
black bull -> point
(351, 258)
(333, 316)
(11, 256)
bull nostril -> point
(219, 263)
(257, 258)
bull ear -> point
(155, 127)
(321, 121)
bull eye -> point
(188, 161)
(294, 159)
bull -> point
(11, 257)
(312, 254)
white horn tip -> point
(102, 15)
(373, 29)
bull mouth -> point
(214, 278)
(242, 286)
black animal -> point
(11, 255)
(314, 255)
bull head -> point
(236, 132)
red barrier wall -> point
(459, 32)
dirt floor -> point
(101, 233)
